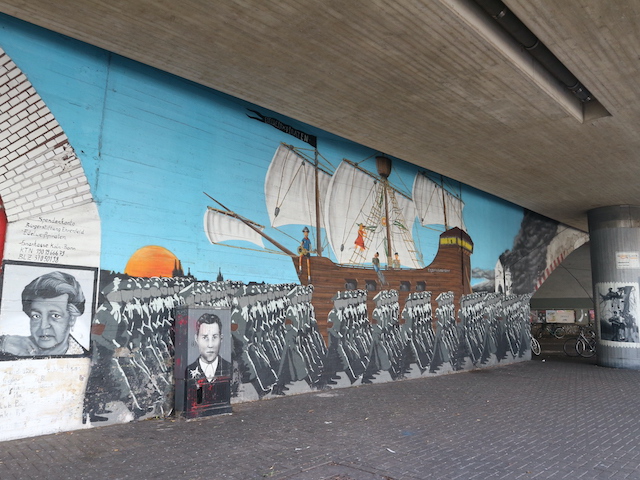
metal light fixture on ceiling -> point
(503, 29)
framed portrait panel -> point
(46, 310)
(203, 367)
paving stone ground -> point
(549, 418)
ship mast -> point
(317, 197)
(383, 165)
(444, 203)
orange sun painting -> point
(152, 261)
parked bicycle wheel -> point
(569, 347)
(535, 346)
(558, 332)
(586, 348)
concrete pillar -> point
(615, 265)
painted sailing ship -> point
(361, 213)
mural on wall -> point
(277, 347)
(616, 307)
(359, 213)
(334, 272)
(540, 246)
(50, 234)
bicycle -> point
(583, 345)
(552, 329)
(535, 345)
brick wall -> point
(39, 171)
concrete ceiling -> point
(410, 78)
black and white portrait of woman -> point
(45, 310)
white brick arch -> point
(39, 171)
(40, 174)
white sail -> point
(435, 205)
(353, 198)
(427, 197)
(454, 207)
(222, 227)
(289, 189)
(401, 235)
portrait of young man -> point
(208, 377)
(208, 338)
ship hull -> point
(450, 271)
